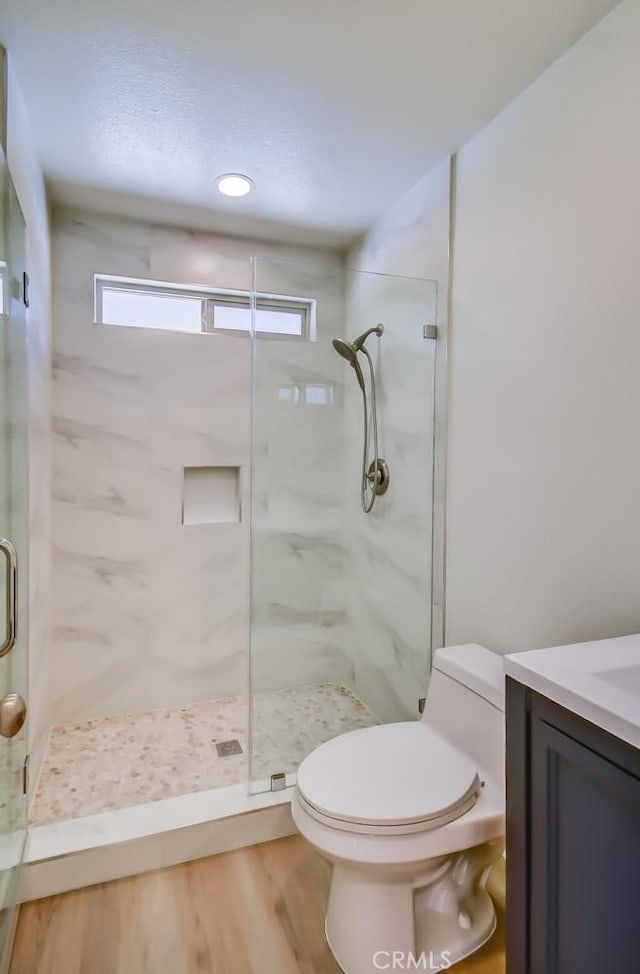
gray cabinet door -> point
(584, 859)
(573, 842)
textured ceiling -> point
(333, 107)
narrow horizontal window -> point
(151, 309)
(269, 320)
(231, 317)
(275, 321)
(142, 304)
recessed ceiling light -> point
(234, 184)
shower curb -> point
(64, 856)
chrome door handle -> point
(11, 556)
(13, 713)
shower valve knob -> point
(13, 713)
(378, 476)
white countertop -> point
(599, 681)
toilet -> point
(412, 816)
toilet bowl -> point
(412, 817)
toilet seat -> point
(391, 779)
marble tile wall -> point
(390, 611)
(390, 548)
(413, 239)
(147, 612)
(299, 552)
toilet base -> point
(425, 923)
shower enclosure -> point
(340, 576)
(210, 495)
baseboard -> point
(80, 852)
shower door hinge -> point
(25, 775)
(278, 781)
(421, 704)
(430, 331)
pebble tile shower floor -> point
(114, 762)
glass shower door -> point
(297, 658)
(13, 555)
(340, 598)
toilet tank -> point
(465, 703)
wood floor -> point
(258, 910)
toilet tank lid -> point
(476, 668)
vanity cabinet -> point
(573, 842)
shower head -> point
(349, 350)
(350, 353)
(346, 349)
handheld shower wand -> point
(375, 476)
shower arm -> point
(358, 343)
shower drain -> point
(226, 748)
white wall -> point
(27, 177)
(544, 481)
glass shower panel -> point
(390, 549)
(297, 600)
(340, 599)
(13, 531)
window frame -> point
(211, 298)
